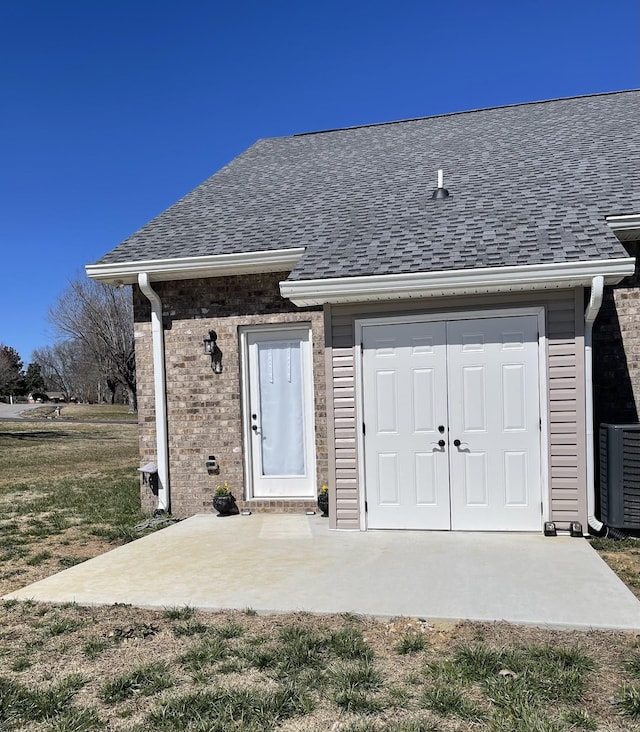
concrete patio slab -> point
(284, 563)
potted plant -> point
(223, 500)
(323, 500)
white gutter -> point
(455, 282)
(159, 390)
(626, 227)
(181, 268)
(624, 222)
(593, 308)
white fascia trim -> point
(455, 282)
(626, 222)
(184, 268)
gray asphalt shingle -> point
(529, 184)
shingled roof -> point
(530, 184)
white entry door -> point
(494, 414)
(451, 417)
(405, 417)
(279, 413)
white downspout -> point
(159, 387)
(593, 308)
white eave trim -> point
(184, 268)
(625, 227)
(455, 282)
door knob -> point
(441, 443)
(457, 443)
(254, 427)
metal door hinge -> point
(364, 430)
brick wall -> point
(204, 409)
(616, 350)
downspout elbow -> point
(593, 308)
(159, 382)
(595, 300)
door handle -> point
(457, 443)
(254, 427)
(441, 443)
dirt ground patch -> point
(49, 555)
(624, 558)
(134, 668)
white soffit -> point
(185, 268)
(626, 227)
(455, 282)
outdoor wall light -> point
(211, 349)
(212, 465)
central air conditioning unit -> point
(620, 475)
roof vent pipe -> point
(440, 191)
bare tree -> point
(58, 366)
(101, 318)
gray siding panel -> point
(565, 409)
(332, 438)
(581, 410)
(343, 418)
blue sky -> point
(111, 111)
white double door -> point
(452, 424)
(278, 411)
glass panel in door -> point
(282, 442)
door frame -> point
(245, 409)
(538, 311)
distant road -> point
(13, 411)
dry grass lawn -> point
(70, 491)
(84, 412)
(67, 491)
